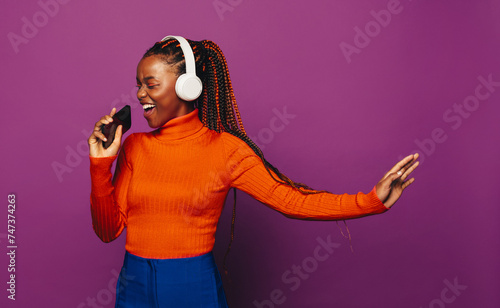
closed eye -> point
(149, 86)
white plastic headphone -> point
(188, 86)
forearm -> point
(248, 173)
(294, 204)
(107, 219)
(319, 206)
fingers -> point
(106, 119)
(390, 188)
(97, 134)
(392, 177)
(97, 129)
(405, 161)
(118, 135)
(399, 177)
(415, 157)
(109, 118)
(402, 164)
(409, 170)
(408, 183)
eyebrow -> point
(146, 78)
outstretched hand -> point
(391, 186)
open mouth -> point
(148, 109)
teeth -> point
(146, 106)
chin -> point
(152, 125)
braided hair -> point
(217, 108)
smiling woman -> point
(170, 184)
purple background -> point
(353, 121)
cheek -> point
(161, 95)
(166, 99)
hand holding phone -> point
(122, 117)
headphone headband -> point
(188, 53)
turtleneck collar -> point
(180, 127)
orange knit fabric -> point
(170, 186)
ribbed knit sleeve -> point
(248, 173)
(108, 197)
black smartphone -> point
(122, 117)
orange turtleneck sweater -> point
(170, 185)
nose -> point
(141, 93)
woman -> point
(170, 184)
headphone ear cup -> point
(188, 87)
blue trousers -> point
(158, 283)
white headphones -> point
(188, 86)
